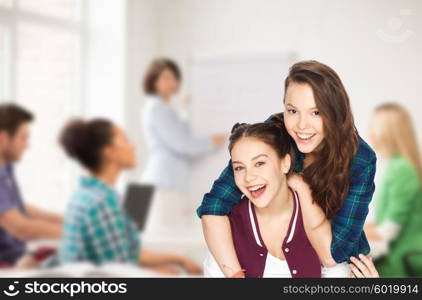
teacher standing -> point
(172, 148)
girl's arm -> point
(215, 207)
(317, 226)
(38, 213)
(219, 239)
(153, 260)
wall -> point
(142, 47)
(366, 42)
(374, 45)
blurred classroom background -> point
(88, 58)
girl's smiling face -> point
(302, 118)
(258, 170)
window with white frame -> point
(40, 55)
(4, 74)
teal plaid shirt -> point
(96, 229)
(347, 224)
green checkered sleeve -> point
(98, 231)
(110, 239)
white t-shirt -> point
(275, 268)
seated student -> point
(19, 222)
(267, 225)
(96, 229)
(396, 232)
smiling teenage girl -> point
(267, 225)
(338, 165)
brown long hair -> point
(329, 174)
(273, 133)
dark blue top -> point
(11, 249)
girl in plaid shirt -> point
(337, 164)
(96, 229)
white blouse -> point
(275, 268)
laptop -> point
(137, 203)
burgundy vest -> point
(250, 248)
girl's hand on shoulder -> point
(297, 183)
(363, 267)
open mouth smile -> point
(305, 138)
(256, 191)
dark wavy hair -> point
(84, 141)
(273, 133)
(329, 174)
(12, 116)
